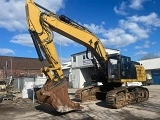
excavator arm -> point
(55, 90)
(41, 23)
(42, 37)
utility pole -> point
(4, 72)
(6, 68)
(11, 66)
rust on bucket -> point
(56, 94)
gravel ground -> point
(25, 109)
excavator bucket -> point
(56, 95)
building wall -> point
(81, 77)
(75, 78)
(19, 66)
(2, 74)
(19, 73)
(152, 67)
(66, 72)
(153, 76)
(85, 78)
(82, 68)
(80, 60)
(156, 77)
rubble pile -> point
(13, 99)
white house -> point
(82, 68)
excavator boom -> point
(55, 90)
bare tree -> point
(149, 56)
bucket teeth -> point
(57, 96)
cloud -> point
(124, 6)
(146, 44)
(98, 29)
(118, 37)
(138, 47)
(26, 40)
(137, 4)
(134, 29)
(22, 39)
(13, 12)
(140, 53)
(158, 54)
(61, 40)
(6, 51)
(150, 20)
(112, 37)
(153, 43)
(12, 15)
(52, 5)
(128, 31)
(125, 50)
(121, 9)
(63, 60)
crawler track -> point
(115, 98)
(87, 94)
(123, 96)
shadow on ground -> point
(76, 115)
(103, 104)
(50, 110)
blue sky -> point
(132, 26)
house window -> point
(84, 57)
(74, 58)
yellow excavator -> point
(110, 70)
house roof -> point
(66, 65)
(151, 63)
(107, 50)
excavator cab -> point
(121, 67)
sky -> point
(131, 26)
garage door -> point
(156, 77)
